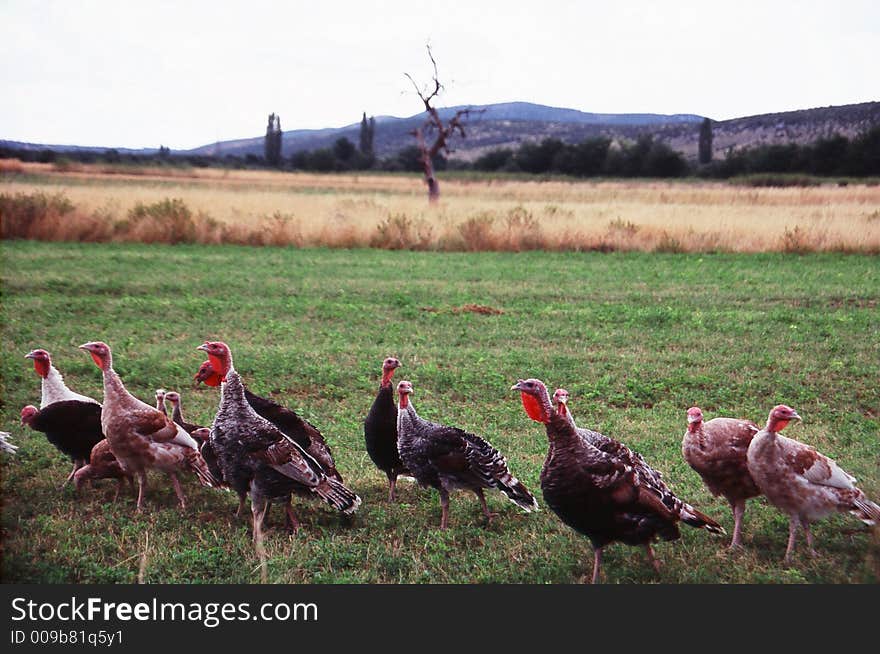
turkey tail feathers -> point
(518, 493)
(197, 464)
(337, 495)
(694, 518)
(866, 511)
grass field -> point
(475, 213)
(637, 339)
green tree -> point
(272, 143)
(705, 147)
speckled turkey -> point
(306, 435)
(449, 458)
(258, 459)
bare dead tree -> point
(433, 123)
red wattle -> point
(219, 365)
(42, 367)
(98, 360)
(533, 408)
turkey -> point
(257, 459)
(177, 414)
(103, 465)
(73, 427)
(448, 458)
(716, 450)
(6, 445)
(71, 422)
(801, 482)
(142, 437)
(601, 494)
(609, 445)
(380, 429)
(299, 429)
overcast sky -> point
(120, 73)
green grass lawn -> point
(636, 339)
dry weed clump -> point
(45, 217)
(400, 232)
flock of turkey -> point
(595, 484)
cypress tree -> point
(705, 148)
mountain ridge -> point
(509, 124)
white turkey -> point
(801, 482)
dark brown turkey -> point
(380, 429)
(447, 458)
(607, 497)
(258, 459)
(717, 451)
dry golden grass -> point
(391, 211)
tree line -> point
(834, 155)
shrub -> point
(37, 215)
(166, 221)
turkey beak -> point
(516, 386)
(30, 355)
(692, 419)
(795, 416)
(85, 346)
(203, 346)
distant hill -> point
(498, 125)
(509, 124)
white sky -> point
(121, 73)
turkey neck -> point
(115, 394)
(405, 415)
(561, 430)
(232, 396)
(52, 387)
(696, 429)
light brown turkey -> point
(801, 482)
(140, 436)
(103, 465)
(716, 450)
(604, 495)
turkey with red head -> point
(716, 450)
(801, 482)
(140, 436)
(449, 458)
(288, 421)
(603, 495)
(380, 429)
(260, 460)
(70, 421)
